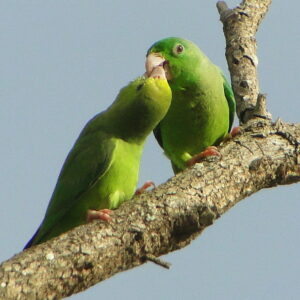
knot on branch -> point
(288, 174)
(257, 111)
(260, 110)
(224, 11)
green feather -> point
(101, 170)
(203, 105)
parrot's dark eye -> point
(178, 49)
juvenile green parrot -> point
(101, 170)
(203, 104)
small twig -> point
(224, 11)
(260, 110)
(158, 261)
(243, 145)
(240, 25)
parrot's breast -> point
(118, 184)
(193, 123)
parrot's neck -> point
(129, 125)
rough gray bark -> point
(263, 155)
(240, 27)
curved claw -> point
(144, 187)
(235, 131)
(102, 214)
(209, 151)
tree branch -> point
(164, 220)
(264, 155)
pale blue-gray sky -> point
(64, 61)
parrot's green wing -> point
(157, 134)
(230, 100)
(231, 104)
(77, 176)
(80, 172)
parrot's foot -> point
(209, 151)
(144, 187)
(234, 132)
(102, 214)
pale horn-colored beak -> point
(154, 60)
(158, 72)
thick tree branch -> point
(264, 155)
(240, 26)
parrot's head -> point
(179, 58)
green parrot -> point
(203, 105)
(101, 170)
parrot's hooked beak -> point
(154, 60)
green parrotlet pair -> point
(183, 97)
